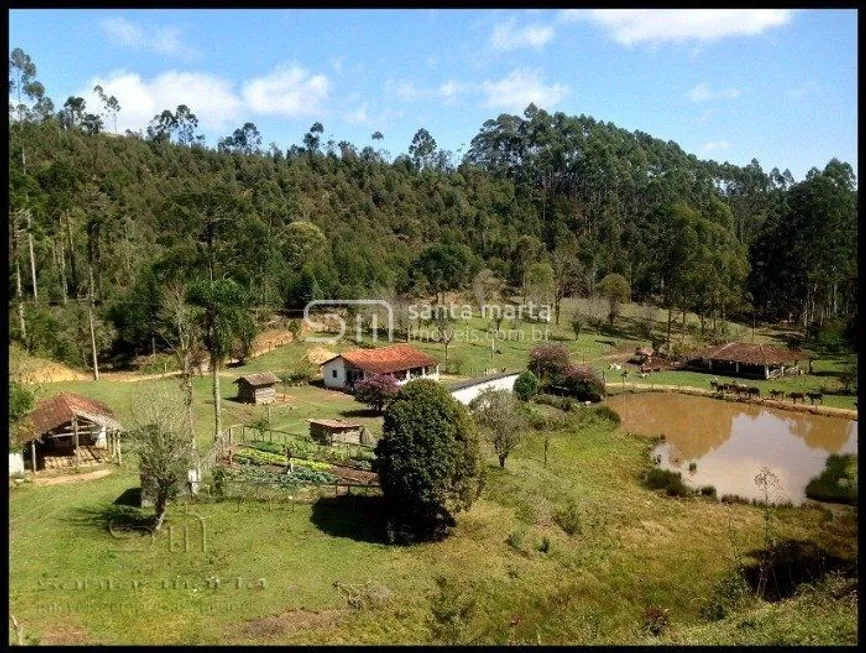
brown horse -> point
(753, 392)
(815, 396)
(797, 395)
(777, 394)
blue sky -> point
(776, 85)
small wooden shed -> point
(257, 388)
(335, 431)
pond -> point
(729, 442)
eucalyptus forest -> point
(110, 220)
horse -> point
(815, 396)
(753, 392)
(777, 394)
(615, 366)
(797, 395)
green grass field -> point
(277, 564)
(268, 571)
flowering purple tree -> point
(547, 360)
(581, 382)
(376, 391)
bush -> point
(707, 491)
(548, 360)
(580, 382)
(428, 460)
(526, 386)
(568, 518)
(655, 620)
(670, 482)
(544, 545)
(838, 482)
(728, 593)
(516, 540)
(376, 391)
(608, 413)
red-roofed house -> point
(402, 361)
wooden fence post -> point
(75, 433)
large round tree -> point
(429, 462)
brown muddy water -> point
(730, 442)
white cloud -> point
(716, 146)
(406, 90)
(704, 92)
(507, 36)
(808, 88)
(359, 116)
(289, 90)
(165, 41)
(521, 87)
(450, 90)
(631, 26)
(210, 97)
(705, 117)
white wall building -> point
(466, 391)
(402, 361)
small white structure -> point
(16, 463)
(402, 361)
(466, 391)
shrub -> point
(548, 360)
(670, 482)
(526, 386)
(516, 540)
(728, 593)
(608, 413)
(544, 545)
(498, 413)
(655, 620)
(451, 610)
(580, 382)
(376, 391)
(838, 482)
(708, 491)
(693, 466)
(428, 460)
(568, 518)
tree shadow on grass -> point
(360, 412)
(358, 518)
(790, 564)
(113, 517)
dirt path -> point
(73, 478)
(830, 411)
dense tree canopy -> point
(535, 193)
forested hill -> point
(125, 216)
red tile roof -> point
(385, 360)
(335, 424)
(60, 409)
(741, 352)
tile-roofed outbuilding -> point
(61, 409)
(749, 354)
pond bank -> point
(633, 388)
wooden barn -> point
(257, 388)
(747, 360)
(337, 431)
(69, 430)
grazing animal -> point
(815, 396)
(777, 394)
(797, 395)
(643, 375)
(615, 366)
(657, 369)
(754, 392)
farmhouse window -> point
(334, 373)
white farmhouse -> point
(402, 361)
